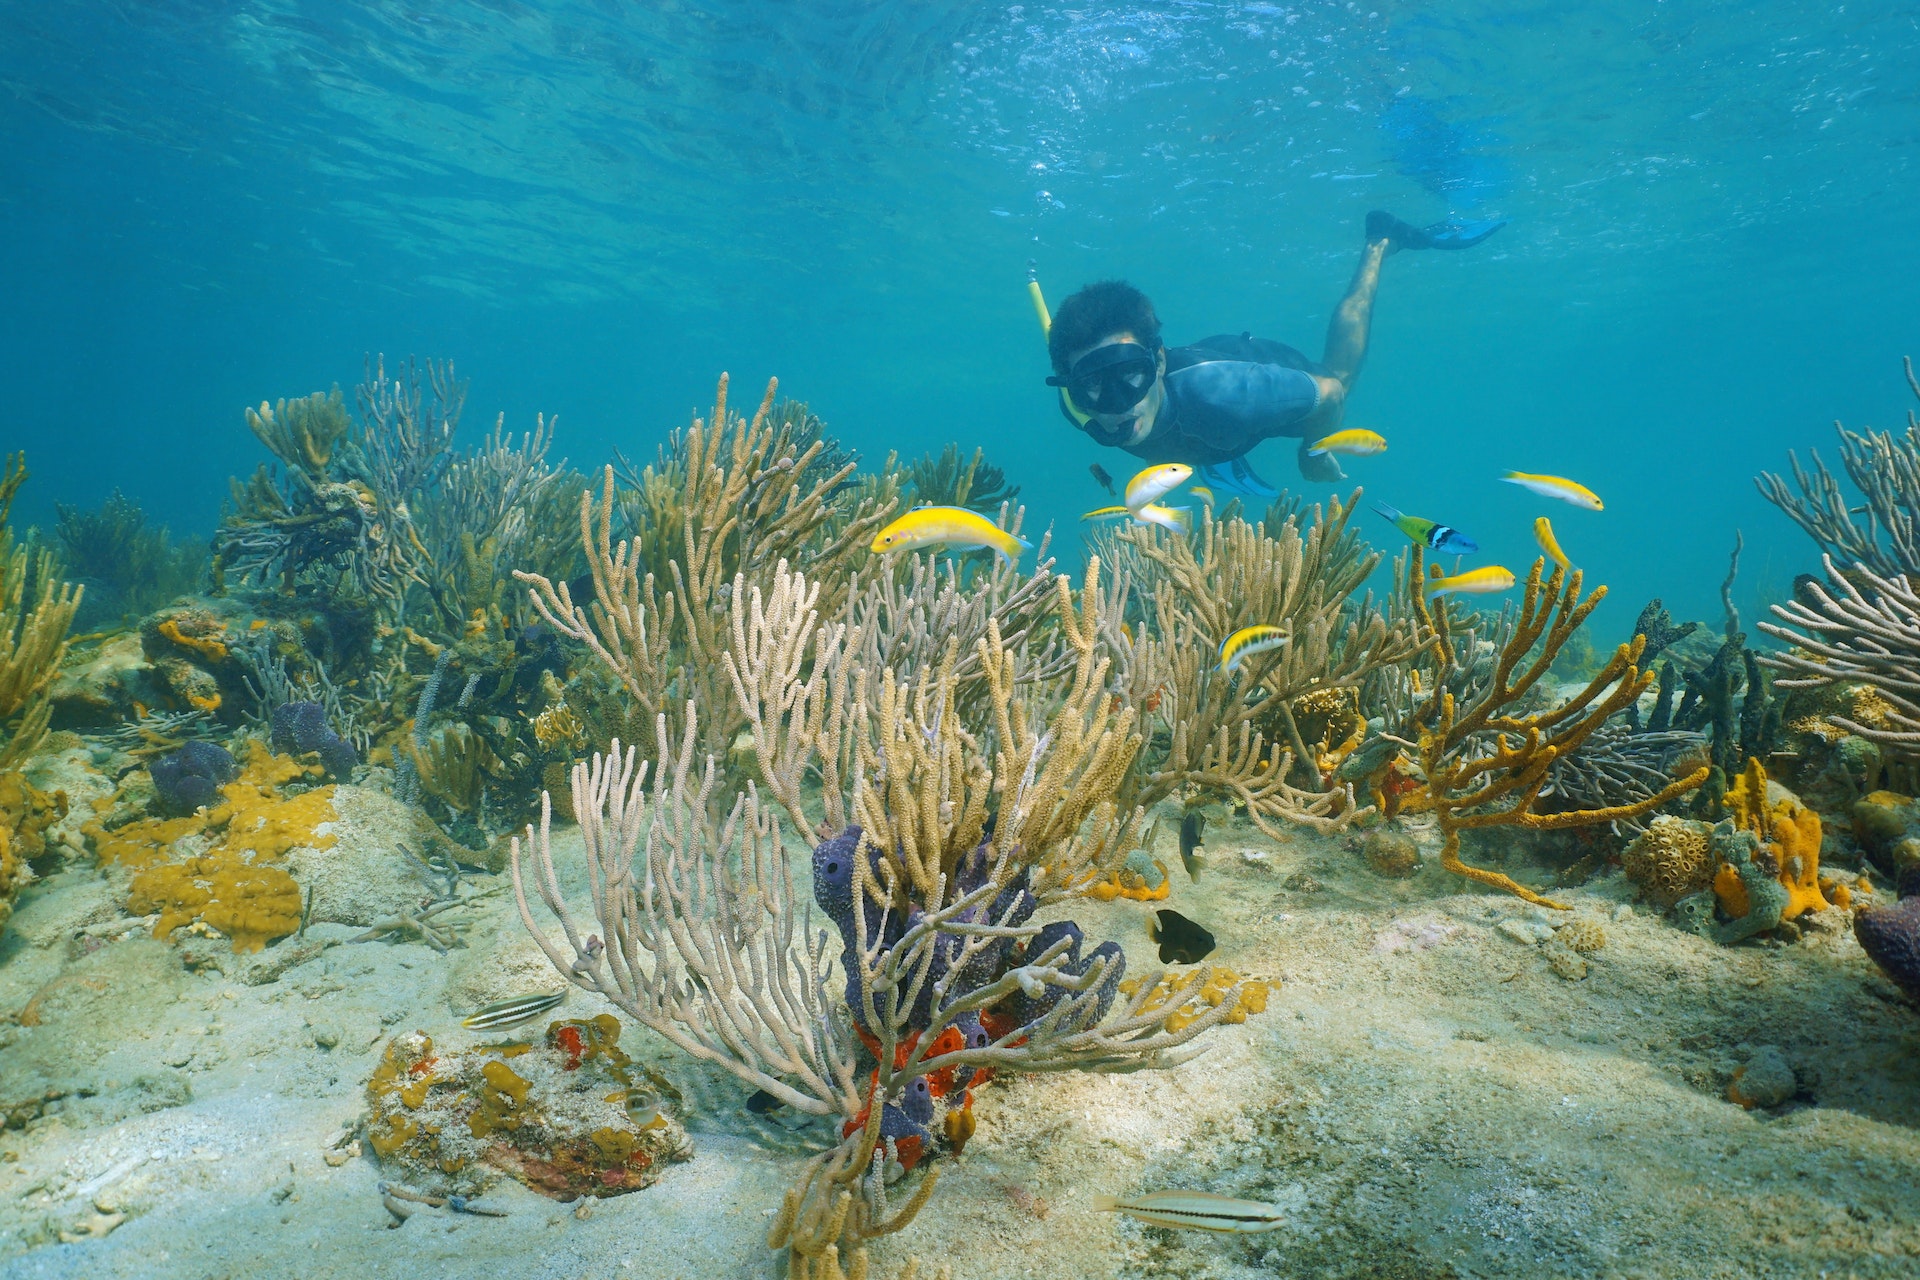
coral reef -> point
(191, 776)
(1766, 863)
(1891, 938)
(569, 1116)
(301, 727)
(930, 890)
(1878, 536)
(1235, 735)
(946, 481)
(1670, 859)
(1860, 628)
(1487, 762)
(730, 499)
(129, 566)
(225, 878)
(25, 814)
(35, 613)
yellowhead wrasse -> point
(1543, 534)
(948, 526)
(1354, 441)
(1557, 487)
(508, 1013)
(1248, 641)
(1201, 1210)
(1155, 483)
(1477, 582)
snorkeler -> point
(1208, 404)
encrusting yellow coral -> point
(1202, 988)
(1788, 831)
(228, 887)
(212, 648)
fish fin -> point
(1183, 516)
(1237, 477)
(1385, 511)
(1105, 1204)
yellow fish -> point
(948, 526)
(1248, 641)
(1543, 534)
(1155, 483)
(1557, 487)
(1178, 519)
(1354, 441)
(1198, 1209)
(1203, 493)
(1479, 582)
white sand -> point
(1423, 1095)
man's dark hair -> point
(1100, 311)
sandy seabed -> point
(1425, 1096)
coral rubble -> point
(567, 1115)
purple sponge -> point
(1891, 938)
(192, 776)
(300, 727)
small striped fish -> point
(508, 1013)
(1556, 487)
(1201, 1210)
(1248, 641)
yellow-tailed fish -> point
(1354, 441)
(1477, 582)
(1200, 1210)
(1248, 641)
(1543, 534)
(1203, 493)
(509, 1013)
(949, 526)
(1178, 519)
(1557, 487)
(1108, 513)
(1155, 483)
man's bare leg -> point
(1352, 321)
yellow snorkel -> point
(1046, 330)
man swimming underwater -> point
(1209, 404)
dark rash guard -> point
(1224, 395)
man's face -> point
(1129, 425)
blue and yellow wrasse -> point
(1203, 493)
(1200, 1210)
(1543, 534)
(1443, 538)
(1108, 513)
(1354, 441)
(1248, 641)
(1477, 582)
(509, 1013)
(949, 526)
(1155, 483)
(1557, 487)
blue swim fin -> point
(1237, 476)
(1451, 234)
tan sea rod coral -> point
(1235, 734)
(951, 827)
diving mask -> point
(1110, 379)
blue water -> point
(596, 207)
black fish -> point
(763, 1103)
(1101, 478)
(1181, 940)
(1191, 827)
